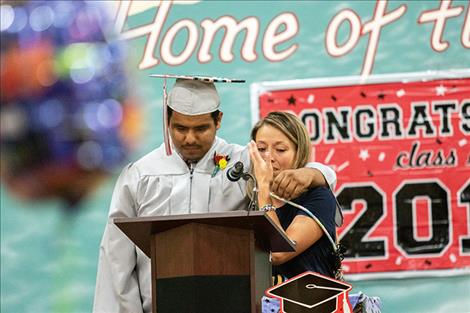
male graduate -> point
(184, 175)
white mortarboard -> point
(191, 95)
(310, 292)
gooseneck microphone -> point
(235, 172)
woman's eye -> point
(280, 150)
(261, 149)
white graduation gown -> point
(157, 185)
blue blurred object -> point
(270, 305)
(362, 303)
(66, 112)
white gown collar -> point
(174, 164)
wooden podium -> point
(215, 262)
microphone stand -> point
(253, 206)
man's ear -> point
(219, 120)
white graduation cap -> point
(191, 95)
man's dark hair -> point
(214, 115)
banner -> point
(400, 146)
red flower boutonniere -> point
(220, 162)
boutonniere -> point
(220, 162)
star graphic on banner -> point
(291, 100)
(441, 90)
(381, 156)
(364, 154)
(401, 93)
(311, 98)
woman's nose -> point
(267, 155)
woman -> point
(279, 142)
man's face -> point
(193, 135)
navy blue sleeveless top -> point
(319, 257)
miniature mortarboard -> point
(191, 95)
(310, 292)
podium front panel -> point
(216, 262)
(202, 294)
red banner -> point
(400, 146)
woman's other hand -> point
(263, 169)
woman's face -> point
(282, 150)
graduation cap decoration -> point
(311, 292)
(191, 95)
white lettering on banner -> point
(281, 29)
(439, 17)
(167, 43)
(275, 45)
(232, 28)
(465, 38)
(354, 21)
(153, 30)
(273, 37)
(374, 26)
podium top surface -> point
(268, 235)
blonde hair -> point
(291, 126)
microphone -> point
(235, 172)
